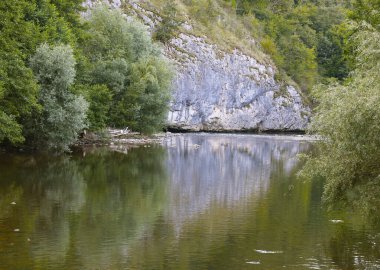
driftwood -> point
(114, 133)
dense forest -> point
(63, 70)
(61, 73)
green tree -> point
(332, 46)
(144, 105)
(24, 24)
(303, 37)
(124, 58)
(300, 62)
(348, 119)
(113, 37)
(99, 98)
(18, 88)
(63, 114)
(367, 10)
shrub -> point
(167, 28)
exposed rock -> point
(219, 91)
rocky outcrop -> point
(229, 91)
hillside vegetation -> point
(307, 40)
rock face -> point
(219, 91)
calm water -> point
(200, 202)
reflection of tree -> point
(48, 190)
(347, 246)
(362, 236)
(80, 213)
(125, 195)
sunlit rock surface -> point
(229, 91)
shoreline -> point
(120, 137)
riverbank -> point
(127, 137)
(123, 136)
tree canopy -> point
(45, 43)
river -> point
(201, 201)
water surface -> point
(199, 202)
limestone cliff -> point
(217, 90)
(221, 91)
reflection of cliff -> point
(224, 170)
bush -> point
(167, 28)
(144, 105)
(113, 37)
(299, 62)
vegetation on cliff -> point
(307, 40)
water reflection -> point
(78, 213)
(199, 202)
(224, 170)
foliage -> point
(367, 10)
(10, 129)
(63, 114)
(25, 24)
(302, 66)
(144, 105)
(99, 98)
(348, 118)
(124, 58)
(112, 37)
(169, 24)
(301, 33)
(332, 52)
(18, 88)
(104, 53)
